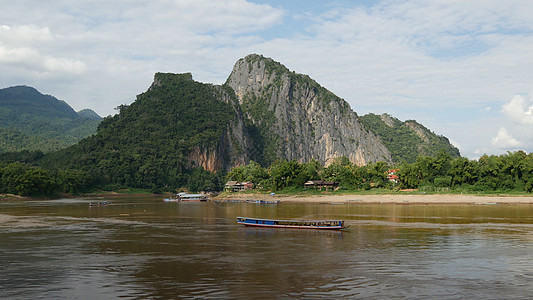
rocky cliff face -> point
(297, 119)
(233, 148)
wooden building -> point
(319, 184)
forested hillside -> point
(148, 143)
(407, 140)
(30, 120)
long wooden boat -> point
(300, 224)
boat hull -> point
(184, 200)
(193, 200)
(292, 224)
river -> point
(142, 247)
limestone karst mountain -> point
(180, 127)
(297, 119)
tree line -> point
(508, 172)
(26, 180)
(20, 174)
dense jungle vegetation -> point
(507, 173)
(145, 145)
(511, 172)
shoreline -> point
(400, 199)
(387, 199)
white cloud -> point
(504, 140)
(443, 62)
(33, 61)
(53, 64)
(235, 16)
(100, 54)
(18, 55)
(20, 48)
(520, 109)
(24, 34)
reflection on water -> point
(145, 248)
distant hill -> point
(89, 114)
(32, 121)
(407, 140)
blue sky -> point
(462, 68)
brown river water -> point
(144, 248)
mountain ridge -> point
(409, 139)
(30, 120)
(88, 113)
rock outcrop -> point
(233, 148)
(297, 119)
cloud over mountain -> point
(504, 140)
(520, 109)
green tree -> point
(341, 170)
(201, 180)
(312, 170)
(409, 176)
(252, 172)
(463, 171)
(74, 181)
(376, 174)
(286, 173)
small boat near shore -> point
(101, 203)
(188, 197)
(297, 224)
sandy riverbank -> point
(392, 199)
(355, 198)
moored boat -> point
(263, 201)
(171, 199)
(188, 197)
(300, 224)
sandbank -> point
(388, 199)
